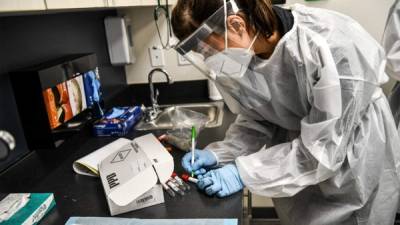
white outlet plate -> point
(182, 61)
(157, 56)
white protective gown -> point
(391, 43)
(320, 139)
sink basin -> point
(213, 111)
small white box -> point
(131, 175)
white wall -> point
(144, 37)
(371, 14)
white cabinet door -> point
(172, 2)
(149, 2)
(154, 2)
(21, 5)
(121, 3)
(75, 4)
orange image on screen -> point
(57, 104)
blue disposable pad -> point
(124, 221)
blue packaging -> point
(92, 87)
(117, 122)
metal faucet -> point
(154, 110)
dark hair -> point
(189, 14)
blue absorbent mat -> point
(124, 221)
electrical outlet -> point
(182, 61)
(157, 56)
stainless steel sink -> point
(213, 110)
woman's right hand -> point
(203, 159)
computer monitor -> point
(68, 99)
(56, 98)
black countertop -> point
(78, 195)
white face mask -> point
(232, 62)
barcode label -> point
(145, 199)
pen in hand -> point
(193, 146)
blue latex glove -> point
(116, 112)
(222, 182)
(203, 159)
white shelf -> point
(21, 5)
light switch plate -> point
(157, 56)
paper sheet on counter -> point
(123, 221)
(88, 165)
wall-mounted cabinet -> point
(122, 3)
(75, 4)
(40, 5)
(154, 2)
(21, 5)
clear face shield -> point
(227, 59)
(212, 39)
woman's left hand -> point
(222, 182)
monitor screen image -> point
(57, 104)
(91, 80)
(77, 96)
(70, 98)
